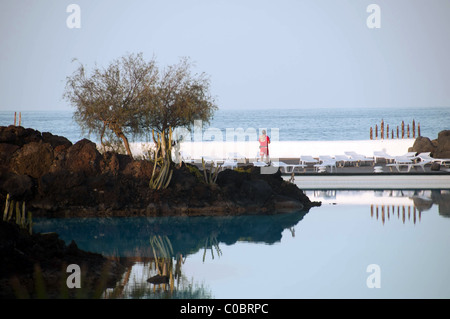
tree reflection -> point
(154, 249)
(162, 277)
(129, 236)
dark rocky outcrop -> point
(59, 179)
(423, 144)
(439, 148)
(443, 145)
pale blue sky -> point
(259, 54)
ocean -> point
(281, 124)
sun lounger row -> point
(410, 160)
(323, 163)
(319, 164)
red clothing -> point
(264, 145)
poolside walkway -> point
(365, 177)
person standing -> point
(264, 142)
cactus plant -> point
(5, 212)
(20, 210)
(161, 158)
(211, 177)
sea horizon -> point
(282, 124)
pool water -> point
(358, 244)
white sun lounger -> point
(236, 157)
(308, 159)
(382, 154)
(342, 160)
(422, 161)
(287, 168)
(213, 160)
(407, 161)
(359, 157)
(426, 157)
(399, 162)
(325, 162)
(322, 167)
(260, 164)
(229, 164)
(410, 154)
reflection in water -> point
(159, 277)
(129, 236)
(156, 248)
(420, 200)
(387, 211)
(211, 244)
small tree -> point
(109, 99)
(178, 99)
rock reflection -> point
(419, 201)
(154, 249)
(406, 204)
(129, 236)
(424, 200)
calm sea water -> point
(327, 252)
(291, 125)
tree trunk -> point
(118, 131)
(103, 134)
(125, 141)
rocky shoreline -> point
(59, 179)
(56, 178)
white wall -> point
(290, 149)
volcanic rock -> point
(443, 145)
(57, 178)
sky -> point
(258, 54)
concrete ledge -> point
(375, 181)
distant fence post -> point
(407, 132)
(15, 118)
(403, 129)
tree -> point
(178, 98)
(109, 100)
